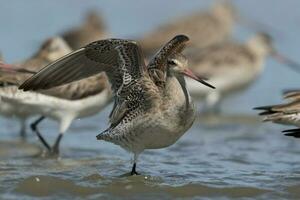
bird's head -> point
(178, 66)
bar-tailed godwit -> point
(152, 108)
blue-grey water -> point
(225, 157)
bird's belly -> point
(159, 131)
(28, 104)
(160, 137)
(11, 108)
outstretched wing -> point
(157, 65)
(174, 46)
(120, 59)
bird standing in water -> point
(152, 107)
(51, 50)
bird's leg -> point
(133, 170)
(64, 125)
(35, 129)
(55, 148)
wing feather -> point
(120, 59)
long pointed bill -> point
(12, 68)
(287, 61)
(189, 73)
(6, 67)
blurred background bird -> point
(50, 50)
(205, 27)
(63, 104)
(231, 67)
(93, 28)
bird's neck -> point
(176, 90)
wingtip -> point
(262, 108)
(292, 132)
(295, 135)
(98, 137)
(27, 87)
(23, 87)
(101, 136)
(182, 37)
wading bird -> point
(50, 50)
(152, 106)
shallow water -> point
(221, 157)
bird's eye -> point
(171, 62)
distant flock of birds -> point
(73, 77)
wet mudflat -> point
(225, 161)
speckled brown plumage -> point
(146, 114)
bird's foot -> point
(134, 173)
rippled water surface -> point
(221, 157)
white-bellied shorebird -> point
(152, 107)
(287, 113)
(204, 28)
(231, 66)
(63, 104)
(49, 51)
(92, 29)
